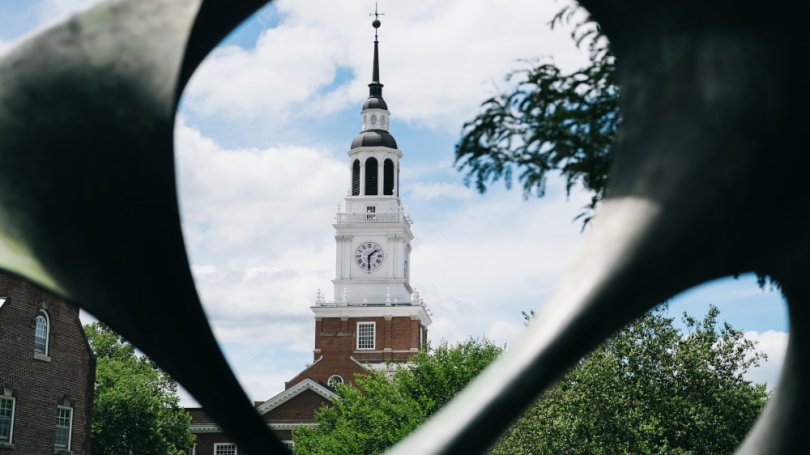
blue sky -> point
(261, 137)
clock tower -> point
(376, 316)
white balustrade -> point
(396, 217)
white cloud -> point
(256, 223)
(774, 344)
(199, 271)
(504, 332)
(440, 190)
(438, 60)
(257, 226)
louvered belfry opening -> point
(371, 176)
(388, 178)
(356, 178)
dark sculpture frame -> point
(709, 182)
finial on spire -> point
(375, 88)
(376, 23)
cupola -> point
(374, 117)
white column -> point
(395, 192)
(380, 176)
(392, 247)
(362, 175)
(347, 256)
(338, 256)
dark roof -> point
(374, 102)
(374, 138)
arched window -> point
(388, 178)
(371, 176)
(334, 380)
(43, 327)
(356, 178)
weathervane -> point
(376, 23)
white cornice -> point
(283, 397)
(376, 151)
(214, 428)
(336, 311)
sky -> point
(261, 137)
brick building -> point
(47, 373)
(375, 316)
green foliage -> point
(648, 390)
(385, 406)
(552, 121)
(136, 408)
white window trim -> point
(373, 336)
(47, 332)
(70, 428)
(13, 409)
(235, 448)
(329, 381)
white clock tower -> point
(373, 234)
(376, 316)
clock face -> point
(369, 256)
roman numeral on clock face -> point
(369, 256)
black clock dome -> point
(374, 138)
(374, 102)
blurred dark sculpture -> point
(708, 182)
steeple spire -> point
(375, 87)
(375, 116)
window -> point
(365, 335)
(371, 213)
(371, 176)
(356, 178)
(41, 334)
(288, 444)
(224, 449)
(334, 380)
(6, 419)
(64, 422)
(388, 178)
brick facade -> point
(336, 353)
(395, 339)
(282, 413)
(65, 376)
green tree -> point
(551, 121)
(385, 406)
(648, 389)
(136, 408)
